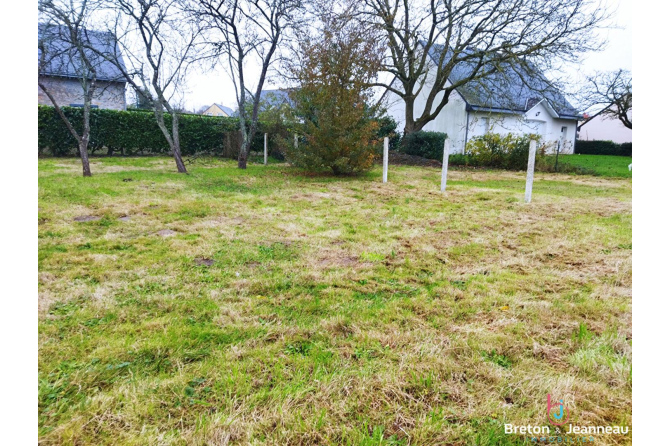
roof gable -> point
(63, 60)
(544, 104)
(226, 110)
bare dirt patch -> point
(166, 233)
(83, 218)
(203, 261)
(338, 259)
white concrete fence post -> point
(386, 160)
(265, 149)
(531, 170)
(445, 165)
(295, 140)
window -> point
(82, 105)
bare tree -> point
(612, 93)
(477, 38)
(241, 33)
(63, 48)
(159, 42)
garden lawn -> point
(270, 307)
(601, 165)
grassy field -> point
(270, 307)
(601, 165)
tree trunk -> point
(244, 149)
(172, 140)
(86, 134)
(410, 123)
(176, 149)
(83, 153)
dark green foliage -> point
(387, 127)
(135, 132)
(603, 148)
(458, 160)
(424, 144)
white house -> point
(506, 102)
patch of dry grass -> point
(329, 311)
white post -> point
(295, 140)
(445, 165)
(265, 150)
(531, 169)
(386, 160)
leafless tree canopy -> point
(611, 95)
(480, 34)
(158, 41)
(240, 32)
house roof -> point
(275, 98)
(513, 88)
(226, 110)
(63, 60)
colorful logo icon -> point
(557, 413)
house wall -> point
(213, 110)
(538, 120)
(111, 95)
(452, 120)
(460, 124)
(605, 129)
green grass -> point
(600, 165)
(287, 308)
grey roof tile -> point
(226, 110)
(513, 88)
(61, 58)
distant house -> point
(61, 69)
(271, 99)
(275, 99)
(510, 101)
(218, 110)
(602, 127)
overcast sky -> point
(216, 86)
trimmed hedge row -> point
(136, 132)
(424, 144)
(603, 148)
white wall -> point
(451, 120)
(605, 129)
(537, 120)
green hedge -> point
(424, 144)
(603, 148)
(136, 132)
